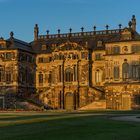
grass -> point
(67, 126)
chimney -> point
(36, 32)
(133, 23)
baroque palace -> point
(73, 70)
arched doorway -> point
(69, 101)
(126, 102)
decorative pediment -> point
(69, 46)
(3, 43)
(126, 34)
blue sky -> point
(21, 15)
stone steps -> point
(96, 105)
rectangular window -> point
(40, 79)
(133, 71)
(40, 59)
(50, 77)
(116, 50)
(116, 73)
(83, 55)
(8, 76)
(43, 60)
(98, 56)
(135, 49)
(137, 99)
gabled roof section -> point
(19, 44)
(126, 35)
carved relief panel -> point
(84, 75)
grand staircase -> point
(98, 102)
(44, 98)
(27, 105)
(95, 105)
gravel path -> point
(135, 118)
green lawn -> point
(66, 126)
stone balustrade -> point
(79, 34)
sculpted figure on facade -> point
(73, 70)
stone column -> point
(60, 100)
(75, 73)
(63, 87)
(61, 73)
(78, 86)
(77, 99)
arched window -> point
(98, 76)
(40, 77)
(125, 70)
(68, 75)
(116, 73)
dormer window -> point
(8, 56)
(98, 56)
(43, 47)
(100, 43)
(126, 34)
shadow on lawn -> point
(68, 127)
(17, 118)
